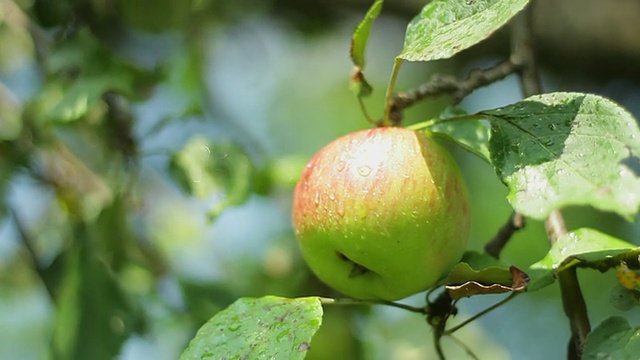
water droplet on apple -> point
(364, 170)
(332, 196)
(316, 199)
(341, 165)
(340, 210)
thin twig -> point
(446, 84)
(28, 243)
(576, 310)
(494, 247)
(464, 347)
(349, 301)
(481, 313)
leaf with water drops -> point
(220, 172)
(258, 328)
(561, 149)
(614, 339)
(465, 130)
(584, 247)
(446, 27)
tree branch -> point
(494, 247)
(573, 302)
(450, 85)
(349, 301)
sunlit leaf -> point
(585, 248)
(445, 27)
(205, 169)
(269, 327)
(561, 149)
(613, 339)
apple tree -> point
(551, 151)
(209, 179)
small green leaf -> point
(613, 339)
(585, 248)
(264, 328)
(361, 34)
(207, 169)
(584, 245)
(478, 267)
(358, 83)
(562, 149)
(446, 27)
(479, 274)
(465, 130)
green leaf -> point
(446, 27)
(361, 34)
(93, 315)
(264, 328)
(613, 339)
(585, 248)
(205, 169)
(562, 149)
(465, 130)
(479, 274)
(358, 84)
(478, 267)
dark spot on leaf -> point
(304, 347)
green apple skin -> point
(381, 213)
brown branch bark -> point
(573, 302)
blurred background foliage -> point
(148, 151)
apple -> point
(381, 213)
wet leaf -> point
(446, 27)
(584, 248)
(614, 339)
(269, 327)
(465, 130)
(562, 149)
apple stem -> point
(494, 247)
(389, 118)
